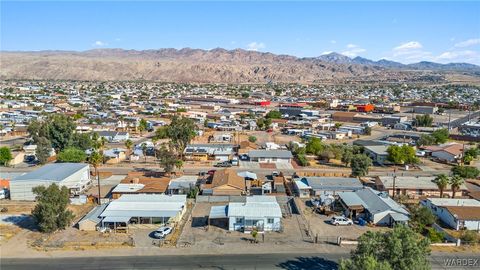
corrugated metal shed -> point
(52, 172)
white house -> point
(143, 209)
(261, 213)
(456, 213)
(74, 176)
(270, 156)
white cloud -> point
(353, 50)
(326, 52)
(411, 45)
(99, 43)
(459, 56)
(333, 41)
(255, 46)
(468, 43)
(117, 39)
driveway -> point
(142, 237)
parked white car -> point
(339, 220)
(162, 232)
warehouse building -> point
(74, 176)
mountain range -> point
(222, 66)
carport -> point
(218, 216)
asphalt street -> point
(239, 261)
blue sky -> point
(402, 31)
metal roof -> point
(145, 205)
(413, 182)
(256, 207)
(372, 200)
(219, 211)
(333, 183)
(52, 172)
(270, 154)
(94, 214)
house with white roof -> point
(143, 209)
(261, 213)
(458, 214)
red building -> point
(263, 103)
(365, 108)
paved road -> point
(242, 261)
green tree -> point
(440, 135)
(72, 154)
(364, 263)
(142, 126)
(398, 249)
(426, 140)
(168, 159)
(368, 130)
(161, 132)
(82, 141)
(252, 139)
(302, 160)
(455, 182)
(44, 147)
(442, 182)
(51, 211)
(273, 114)
(360, 164)
(420, 217)
(347, 156)
(95, 160)
(314, 146)
(181, 131)
(5, 155)
(129, 145)
(423, 120)
(404, 154)
(57, 128)
(466, 171)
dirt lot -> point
(198, 233)
(72, 238)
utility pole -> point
(449, 117)
(394, 180)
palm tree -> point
(455, 182)
(442, 182)
(95, 160)
(144, 151)
(128, 145)
(154, 141)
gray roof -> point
(378, 149)
(270, 154)
(333, 183)
(372, 200)
(94, 214)
(52, 172)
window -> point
(239, 220)
(270, 221)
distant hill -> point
(219, 66)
